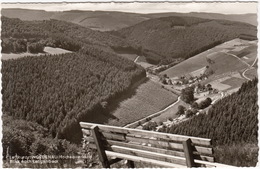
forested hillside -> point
(54, 33)
(230, 123)
(59, 91)
(33, 139)
(165, 39)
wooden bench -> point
(154, 148)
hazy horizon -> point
(142, 8)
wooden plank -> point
(152, 149)
(165, 144)
(201, 163)
(150, 155)
(173, 137)
(152, 140)
(145, 160)
(146, 148)
(159, 144)
(211, 164)
(204, 158)
(100, 149)
(188, 153)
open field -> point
(149, 98)
(47, 50)
(189, 65)
(225, 63)
(234, 82)
(128, 56)
(225, 82)
(222, 62)
(251, 73)
(142, 62)
(169, 113)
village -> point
(191, 86)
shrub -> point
(187, 94)
(151, 125)
(205, 103)
(189, 113)
(181, 110)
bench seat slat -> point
(209, 164)
(156, 143)
(153, 149)
(147, 148)
(150, 155)
(142, 159)
(174, 137)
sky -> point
(138, 7)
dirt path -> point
(136, 123)
(136, 59)
(251, 67)
(237, 58)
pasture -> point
(223, 61)
(47, 51)
(234, 82)
(149, 98)
(131, 57)
(225, 82)
(142, 62)
(251, 73)
(169, 113)
(187, 66)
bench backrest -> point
(165, 149)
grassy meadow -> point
(47, 50)
(149, 98)
(222, 57)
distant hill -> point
(246, 18)
(96, 20)
(174, 37)
(52, 32)
(111, 20)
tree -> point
(187, 94)
(181, 110)
(189, 113)
(209, 86)
(151, 125)
(205, 103)
(195, 105)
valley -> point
(227, 76)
